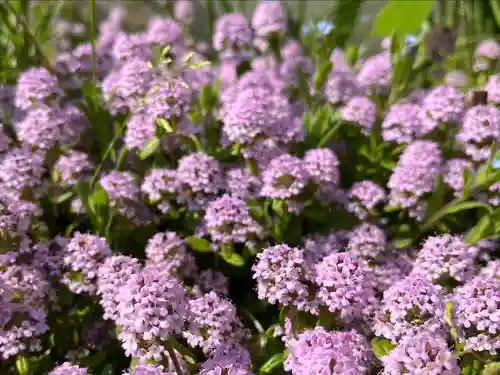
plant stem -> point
(173, 357)
(106, 154)
(92, 40)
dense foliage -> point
(276, 201)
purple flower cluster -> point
(111, 276)
(82, 257)
(36, 87)
(194, 206)
(442, 105)
(200, 178)
(285, 178)
(376, 72)
(444, 258)
(21, 326)
(168, 252)
(152, 306)
(124, 194)
(68, 369)
(228, 221)
(341, 87)
(454, 173)
(361, 111)
(367, 241)
(213, 321)
(409, 306)
(227, 359)
(480, 127)
(256, 112)
(233, 36)
(322, 166)
(493, 89)
(422, 353)
(346, 286)
(402, 124)
(318, 351)
(269, 17)
(281, 278)
(414, 176)
(364, 197)
(73, 168)
(477, 315)
(242, 184)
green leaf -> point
(233, 258)
(63, 197)
(436, 200)
(99, 197)
(272, 363)
(448, 318)
(206, 98)
(22, 365)
(165, 125)
(448, 313)
(402, 243)
(479, 231)
(134, 362)
(330, 134)
(402, 17)
(470, 365)
(381, 347)
(149, 148)
(486, 169)
(469, 205)
(322, 74)
(83, 191)
(388, 208)
(495, 7)
(199, 244)
(468, 180)
(492, 368)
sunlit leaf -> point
(402, 17)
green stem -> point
(92, 40)
(173, 357)
(107, 153)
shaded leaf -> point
(149, 148)
(402, 243)
(479, 231)
(486, 169)
(436, 200)
(199, 244)
(492, 368)
(346, 13)
(63, 197)
(468, 180)
(322, 74)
